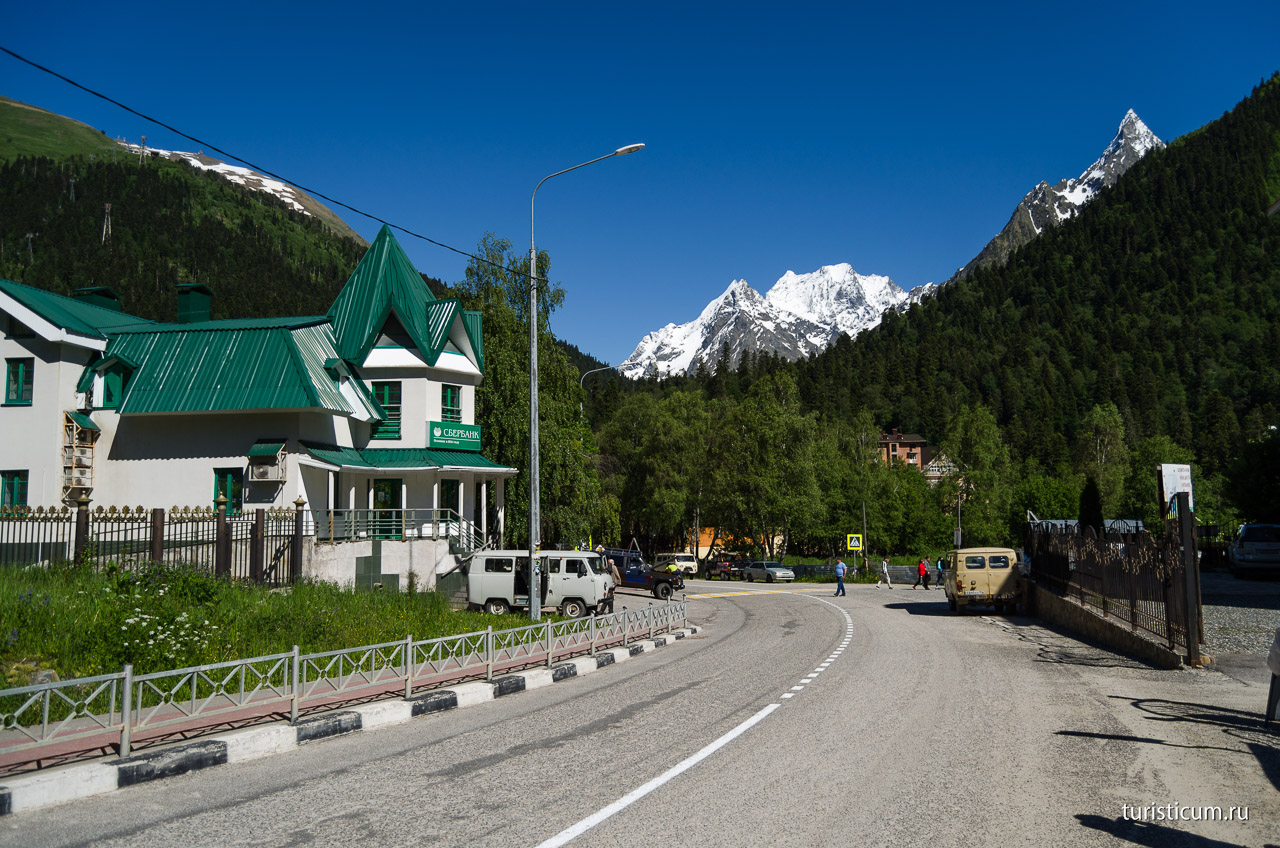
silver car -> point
(769, 572)
(1256, 548)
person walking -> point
(922, 574)
(839, 577)
(938, 582)
(884, 573)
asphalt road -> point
(904, 725)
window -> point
(18, 382)
(553, 566)
(975, 562)
(229, 482)
(14, 491)
(498, 565)
(449, 495)
(388, 396)
(451, 404)
(114, 382)
(998, 561)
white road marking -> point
(797, 688)
(788, 694)
(570, 833)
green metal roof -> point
(266, 447)
(384, 281)
(219, 367)
(404, 458)
(76, 316)
(83, 421)
(346, 457)
(471, 323)
(287, 323)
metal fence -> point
(124, 709)
(263, 546)
(1137, 579)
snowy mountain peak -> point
(1049, 205)
(800, 315)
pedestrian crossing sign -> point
(854, 541)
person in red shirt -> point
(922, 575)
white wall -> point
(337, 563)
(31, 436)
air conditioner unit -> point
(266, 472)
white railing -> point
(351, 525)
(111, 710)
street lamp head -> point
(630, 148)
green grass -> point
(27, 130)
(81, 623)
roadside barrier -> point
(119, 711)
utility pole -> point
(106, 224)
(866, 547)
(30, 256)
(142, 151)
(73, 189)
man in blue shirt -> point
(839, 577)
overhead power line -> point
(255, 167)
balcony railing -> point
(351, 525)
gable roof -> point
(222, 366)
(69, 314)
(384, 282)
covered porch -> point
(404, 493)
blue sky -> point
(779, 136)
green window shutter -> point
(387, 394)
(113, 386)
(451, 404)
(18, 382)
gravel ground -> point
(1240, 616)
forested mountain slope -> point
(1162, 297)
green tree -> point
(1101, 453)
(983, 476)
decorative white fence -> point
(117, 710)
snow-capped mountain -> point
(1047, 205)
(803, 313)
(800, 315)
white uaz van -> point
(574, 582)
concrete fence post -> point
(1190, 577)
(157, 535)
(221, 548)
(82, 525)
(257, 545)
(295, 552)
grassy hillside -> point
(31, 131)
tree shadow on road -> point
(1249, 728)
(1152, 834)
(1147, 740)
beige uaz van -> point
(983, 577)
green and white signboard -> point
(446, 434)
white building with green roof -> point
(368, 408)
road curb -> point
(71, 783)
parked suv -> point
(636, 573)
(1255, 549)
(685, 562)
(983, 577)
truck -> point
(636, 573)
(726, 566)
(575, 583)
(686, 562)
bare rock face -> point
(1047, 206)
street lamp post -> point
(535, 495)
(585, 375)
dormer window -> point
(114, 382)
